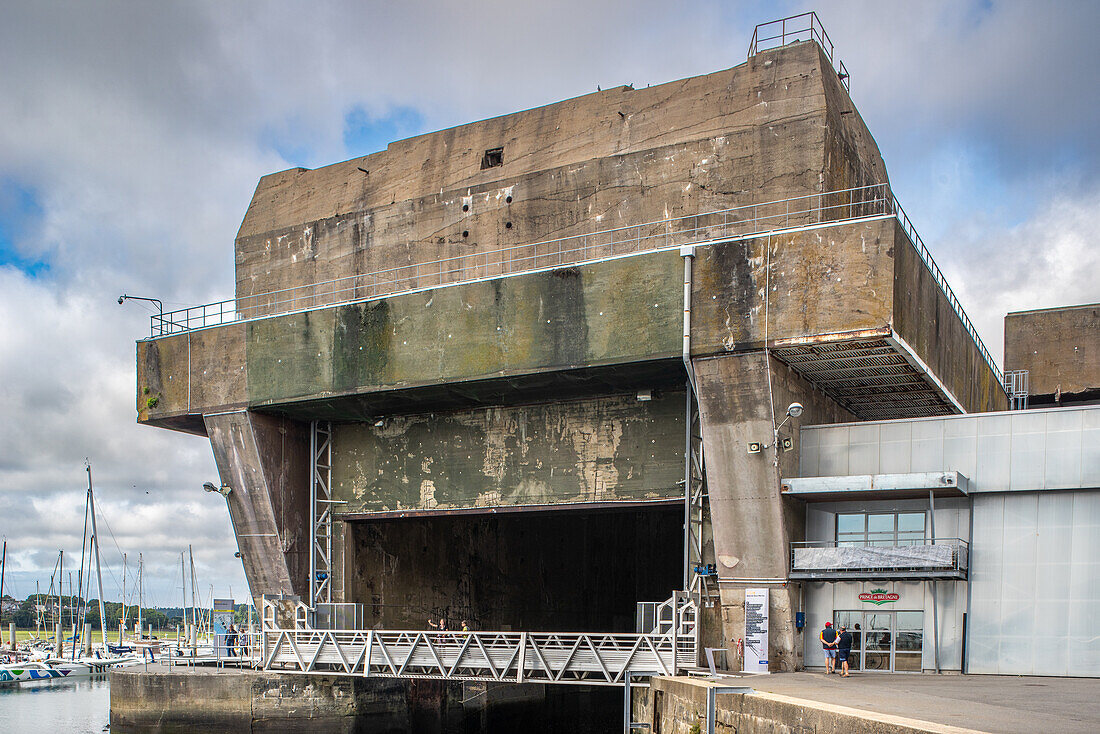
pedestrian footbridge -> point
(291, 644)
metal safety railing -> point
(517, 657)
(801, 27)
(917, 558)
(741, 222)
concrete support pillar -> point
(266, 464)
(753, 523)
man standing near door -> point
(844, 649)
(828, 644)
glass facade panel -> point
(911, 522)
(851, 524)
(876, 660)
(910, 621)
(880, 523)
(884, 641)
(907, 662)
(880, 528)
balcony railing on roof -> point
(801, 27)
(723, 225)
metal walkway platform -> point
(518, 657)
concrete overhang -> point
(876, 486)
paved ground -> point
(1000, 704)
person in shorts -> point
(843, 650)
(828, 644)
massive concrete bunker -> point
(529, 371)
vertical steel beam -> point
(320, 504)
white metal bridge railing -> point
(723, 225)
(516, 657)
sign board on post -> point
(756, 631)
(222, 619)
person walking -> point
(844, 650)
(828, 644)
(231, 640)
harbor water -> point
(78, 706)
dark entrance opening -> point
(548, 570)
(542, 570)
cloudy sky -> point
(132, 135)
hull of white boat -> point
(59, 669)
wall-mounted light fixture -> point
(223, 490)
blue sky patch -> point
(20, 213)
(365, 134)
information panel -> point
(223, 620)
(756, 631)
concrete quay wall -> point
(188, 700)
(679, 706)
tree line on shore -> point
(27, 612)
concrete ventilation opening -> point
(493, 157)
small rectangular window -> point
(493, 157)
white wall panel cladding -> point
(1019, 451)
(1035, 584)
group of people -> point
(441, 625)
(838, 648)
(231, 638)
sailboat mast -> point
(194, 607)
(3, 564)
(98, 569)
(183, 591)
(80, 574)
(60, 585)
(122, 627)
(141, 596)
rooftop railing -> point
(802, 27)
(742, 222)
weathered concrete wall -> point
(753, 523)
(617, 312)
(612, 312)
(753, 133)
(924, 318)
(679, 706)
(555, 571)
(817, 282)
(186, 700)
(336, 361)
(265, 460)
(183, 376)
(605, 449)
(1060, 349)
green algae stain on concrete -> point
(619, 311)
(290, 356)
(596, 450)
(362, 345)
(634, 308)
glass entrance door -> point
(884, 641)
